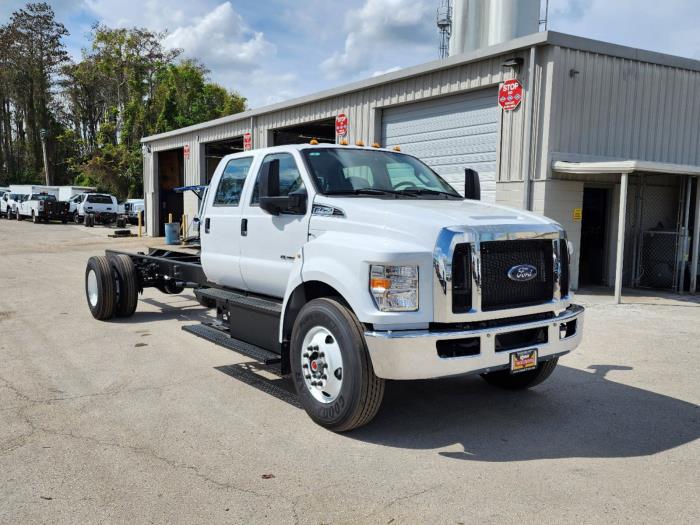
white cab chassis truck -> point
(349, 266)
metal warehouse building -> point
(606, 141)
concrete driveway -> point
(137, 421)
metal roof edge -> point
(420, 69)
(618, 50)
(624, 166)
(536, 39)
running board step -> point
(251, 302)
(219, 337)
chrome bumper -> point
(412, 354)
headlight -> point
(394, 288)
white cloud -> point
(221, 39)
(386, 71)
(408, 23)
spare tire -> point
(127, 289)
(100, 288)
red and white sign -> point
(247, 141)
(186, 151)
(510, 95)
(341, 125)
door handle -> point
(244, 227)
(207, 223)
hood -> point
(415, 220)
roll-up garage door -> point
(450, 134)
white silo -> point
(481, 23)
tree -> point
(97, 109)
(33, 52)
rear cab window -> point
(99, 199)
(230, 186)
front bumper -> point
(412, 354)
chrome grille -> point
(499, 292)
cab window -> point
(228, 192)
(290, 178)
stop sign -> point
(247, 141)
(341, 125)
(510, 95)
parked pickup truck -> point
(349, 266)
(43, 207)
(103, 206)
(8, 204)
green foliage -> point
(126, 86)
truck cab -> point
(356, 265)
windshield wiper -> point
(368, 191)
(421, 191)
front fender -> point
(342, 260)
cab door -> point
(271, 243)
(220, 223)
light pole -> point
(42, 134)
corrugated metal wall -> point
(364, 108)
(609, 107)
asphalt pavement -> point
(136, 421)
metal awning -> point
(623, 166)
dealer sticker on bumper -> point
(523, 361)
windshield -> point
(341, 171)
(42, 197)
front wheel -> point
(35, 219)
(331, 367)
(504, 379)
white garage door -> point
(450, 134)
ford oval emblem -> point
(522, 273)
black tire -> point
(76, 218)
(504, 379)
(17, 215)
(361, 391)
(127, 290)
(35, 219)
(103, 305)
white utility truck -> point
(42, 207)
(349, 266)
(66, 193)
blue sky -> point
(272, 50)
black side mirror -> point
(472, 186)
(270, 199)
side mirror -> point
(472, 186)
(270, 199)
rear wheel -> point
(331, 367)
(504, 379)
(127, 285)
(100, 288)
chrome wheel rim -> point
(92, 287)
(322, 364)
